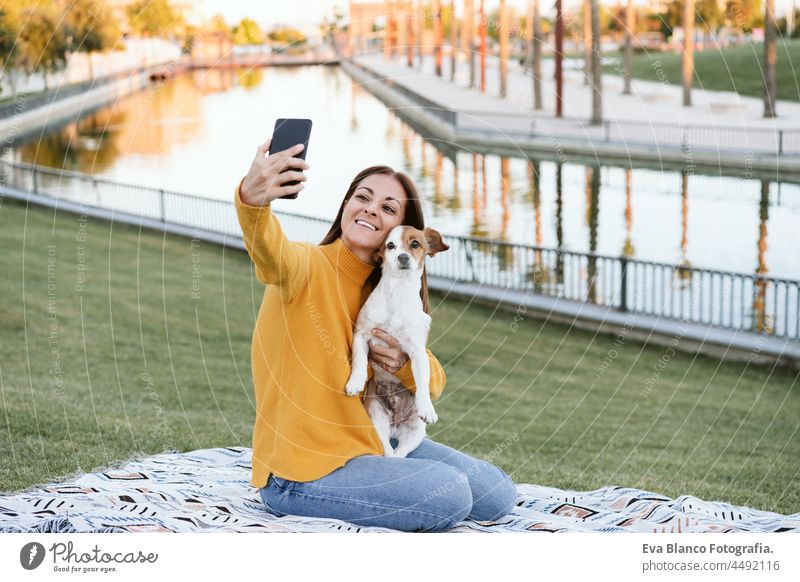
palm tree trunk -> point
(559, 58)
(629, 25)
(688, 51)
(770, 60)
(410, 34)
(537, 57)
(387, 32)
(587, 41)
(529, 35)
(469, 31)
(482, 30)
(453, 39)
(437, 36)
(503, 48)
(597, 74)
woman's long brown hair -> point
(413, 217)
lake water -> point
(197, 134)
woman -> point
(315, 450)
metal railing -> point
(781, 142)
(740, 301)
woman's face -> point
(380, 201)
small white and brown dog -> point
(396, 307)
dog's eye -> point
(414, 244)
(390, 245)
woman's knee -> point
(497, 498)
(445, 497)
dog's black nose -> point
(403, 260)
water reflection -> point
(196, 133)
(763, 320)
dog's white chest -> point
(396, 310)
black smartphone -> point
(289, 133)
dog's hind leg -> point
(409, 437)
(421, 368)
(381, 420)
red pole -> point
(559, 57)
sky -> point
(306, 14)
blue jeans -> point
(432, 489)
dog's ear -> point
(434, 241)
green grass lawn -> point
(738, 69)
(132, 365)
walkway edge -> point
(58, 110)
(560, 147)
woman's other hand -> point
(267, 176)
(390, 358)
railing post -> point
(35, 182)
(163, 212)
(623, 300)
(607, 127)
(780, 142)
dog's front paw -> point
(355, 385)
(426, 412)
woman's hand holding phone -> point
(268, 174)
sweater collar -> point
(347, 262)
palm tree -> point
(770, 59)
(410, 34)
(597, 75)
(482, 32)
(453, 40)
(559, 58)
(468, 33)
(537, 57)
(503, 48)
(587, 41)
(630, 22)
(437, 35)
(688, 51)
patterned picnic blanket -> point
(209, 491)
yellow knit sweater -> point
(306, 426)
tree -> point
(218, 24)
(287, 35)
(630, 23)
(90, 27)
(743, 13)
(331, 26)
(248, 32)
(9, 48)
(43, 44)
(153, 17)
(597, 78)
(688, 51)
(709, 17)
(503, 48)
(537, 57)
(770, 59)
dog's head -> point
(404, 250)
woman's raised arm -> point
(277, 260)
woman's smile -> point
(376, 206)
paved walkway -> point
(651, 102)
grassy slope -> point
(533, 401)
(738, 69)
